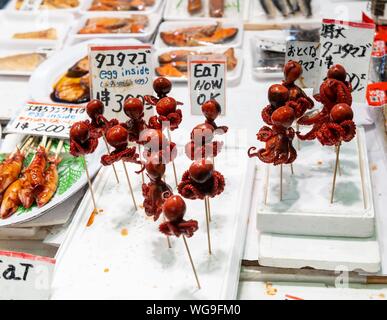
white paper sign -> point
(42, 119)
(119, 73)
(207, 80)
(307, 54)
(349, 44)
(30, 5)
(25, 276)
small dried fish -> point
(268, 7)
(282, 7)
(306, 7)
(293, 6)
(195, 6)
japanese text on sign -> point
(119, 73)
(349, 44)
(307, 54)
(207, 80)
(25, 276)
(53, 120)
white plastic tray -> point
(177, 10)
(154, 20)
(306, 208)
(140, 265)
(233, 76)
(12, 7)
(173, 25)
(12, 22)
(157, 7)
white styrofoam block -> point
(140, 265)
(306, 207)
(324, 253)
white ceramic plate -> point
(154, 20)
(58, 64)
(155, 8)
(232, 76)
(234, 9)
(71, 179)
(20, 22)
(174, 25)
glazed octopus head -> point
(174, 208)
(278, 95)
(95, 108)
(162, 86)
(152, 138)
(211, 110)
(155, 168)
(134, 108)
(202, 133)
(341, 112)
(117, 137)
(292, 71)
(201, 170)
(165, 106)
(283, 116)
(337, 72)
(79, 132)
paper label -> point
(349, 44)
(307, 54)
(207, 80)
(42, 119)
(25, 276)
(119, 73)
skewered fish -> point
(121, 5)
(48, 34)
(216, 8)
(10, 170)
(199, 36)
(50, 185)
(11, 200)
(134, 24)
(195, 6)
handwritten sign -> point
(30, 5)
(207, 80)
(25, 276)
(119, 73)
(307, 54)
(52, 120)
(349, 44)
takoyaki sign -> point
(25, 276)
(119, 73)
(207, 80)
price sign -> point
(52, 120)
(349, 44)
(119, 73)
(30, 5)
(25, 276)
(207, 80)
(307, 54)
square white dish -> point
(306, 208)
(12, 7)
(178, 10)
(233, 76)
(154, 20)
(157, 7)
(174, 25)
(21, 22)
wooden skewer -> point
(339, 165)
(209, 209)
(298, 139)
(59, 149)
(142, 172)
(168, 239)
(95, 211)
(173, 161)
(335, 173)
(192, 264)
(208, 228)
(281, 182)
(292, 168)
(108, 150)
(130, 186)
(44, 141)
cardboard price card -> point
(307, 54)
(207, 80)
(42, 119)
(25, 276)
(349, 44)
(119, 73)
